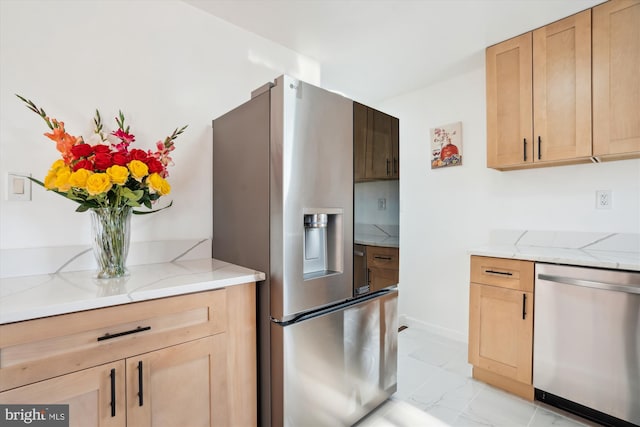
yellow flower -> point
(118, 174)
(79, 178)
(57, 165)
(98, 183)
(138, 169)
(50, 180)
(62, 178)
(158, 184)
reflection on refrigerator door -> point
(336, 365)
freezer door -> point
(333, 368)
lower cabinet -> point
(382, 267)
(501, 323)
(176, 386)
(88, 394)
(184, 361)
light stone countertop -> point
(619, 251)
(31, 297)
(587, 258)
(376, 240)
(377, 235)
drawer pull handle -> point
(524, 306)
(113, 392)
(140, 390)
(386, 258)
(539, 152)
(120, 334)
(504, 273)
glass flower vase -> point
(110, 235)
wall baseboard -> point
(412, 322)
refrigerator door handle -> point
(339, 306)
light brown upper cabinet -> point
(562, 89)
(616, 79)
(509, 103)
(376, 144)
(539, 96)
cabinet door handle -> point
(539, 153)
(503, 273)
(108, 336)
(113, 392)
(524, 142)
(388, 163)
(369, 276)
(140, 384)
(386, 258)
(524, 306)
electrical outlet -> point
(382, 204)
(604, 199)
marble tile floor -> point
(435, 388)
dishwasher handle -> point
(630, 289)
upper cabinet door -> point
(509, 103)
(378, 156)
(562, 89)
(359, 140)
(395, 145)
(616, 78)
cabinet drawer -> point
(382, 257)
(502, 272)
(38, 349)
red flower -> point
(120, 159)
(137, 154)
(124, 136)
(81, 150)
(83, 164)
(103, 161)
(155, 166)
(101, 148)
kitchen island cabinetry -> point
(182, 360)
(501, 323)
(616, 79)
(376, 144)
(539, 96)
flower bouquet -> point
(106, 177)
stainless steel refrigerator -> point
(283, 204)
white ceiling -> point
(371, 50)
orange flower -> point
(63, 140)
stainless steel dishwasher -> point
(587, 342)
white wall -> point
(445, 212)
(164, 63)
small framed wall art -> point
(446, 145)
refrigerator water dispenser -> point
(322, 244)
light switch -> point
(18, 186)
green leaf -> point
(128, 194)
(153, 211)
